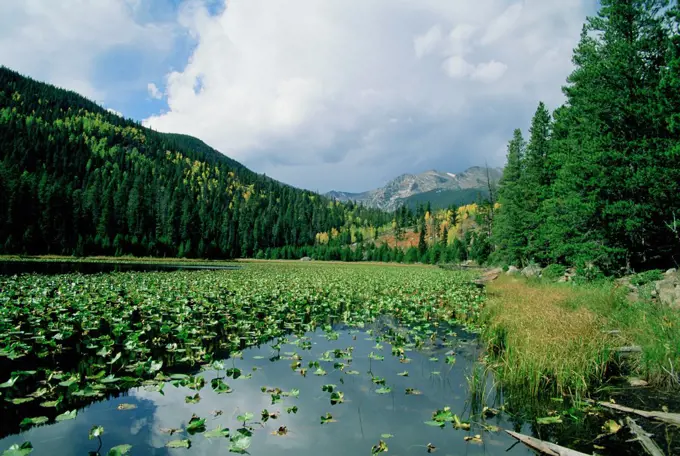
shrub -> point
(554, 271)
(644, 278)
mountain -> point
(76, 179)
(440, 189)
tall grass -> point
(562, 338)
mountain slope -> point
(77, 179)
(433, 186)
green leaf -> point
(70, 415)
(196, 425)
(549, 420)
(403, 374)
(33, 421)
(435, 423)
(217, 432)
(386, 436)
(186, 443)
(451, 360)
(219, 386)
(239, 443)
(95, 432)
(18, 450)
(327, 418)
(9, 383)
(195, 399)
(292, 409)
(245, 417)
(337, 397)
(120, 450)
(384, 390)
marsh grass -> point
(540, 341)
(562, 338)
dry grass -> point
(541, 340)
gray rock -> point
(637, 382)
(668, 290)
(533, 270)
(671, 271)
(305, 259)
(513, 270)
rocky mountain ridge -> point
(398, 191)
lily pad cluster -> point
(68, 340)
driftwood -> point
(544, 447)
(641, 436)
(671, 418)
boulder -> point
(671, 271)
(305, 259)
(533, 270)
(668, 290)
(513, 270)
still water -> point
(360, 422)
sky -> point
(320, 94)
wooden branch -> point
(544, 447)
(647, 443)
(671, 418)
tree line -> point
(78, 180)
(597, 183)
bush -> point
(644, 278)
(586, 272)
(554, 271)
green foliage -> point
(553, 271)
(204, 314)
(599, 182)
(646, 277)
(78, 180)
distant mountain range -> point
(440, 189)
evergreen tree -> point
(510, 236)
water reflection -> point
(360, 420)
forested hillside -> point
(598, 181)
(77, 179)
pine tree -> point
(510, 236)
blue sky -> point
(338, 94)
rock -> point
(636, 382)
(671, 271)
(513, 270)
(564, 278)
(488, 276)
(668, 290)
(533, 270)
(305, 259)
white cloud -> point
(113, 111)
(457, 67)
(321, 94)
(154, 91)
(426, 43)
(489, 71)
(59, 41)
(308, 91)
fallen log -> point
(670, 418)
(544, 447)
(641, 436)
